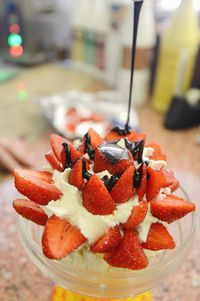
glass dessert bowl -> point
(103, 282)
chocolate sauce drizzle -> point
(137, 5)
(86, 174)
(114, 153)
(110, 182)
(68, 161)
(137, 179)
(88, 147)
(136, 149)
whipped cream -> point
(70, 206)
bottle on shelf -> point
(182, 34)
(145, 43)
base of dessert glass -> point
(60, 294)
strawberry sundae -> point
(110, 197)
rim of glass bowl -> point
(36, 248)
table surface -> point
(19, 278)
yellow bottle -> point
(182, 35)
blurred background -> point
(65, 66)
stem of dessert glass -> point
(137, 4)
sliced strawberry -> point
(69, 155)
(123, 189)
(155, 181)
(157, 154)
(96, 198)
(134, 137)
(171, 208)
(76, 175)
(30, 211)
(36, 185)
(94, 140)
(137, 215)
(53, 161)
(143, 186)
(60, 238)
(56, 143)
(108, 242)
(128, 254)
(158, 238)
(113, 135)
(170, 180)
(101, 164)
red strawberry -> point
(137, 215)
(134, 137)
(170, 180)
(53, 161)
(30, 211)
(60, 238)
(157, 154)
(158, 238)
(123, 189)
(128, 254)
(96, 198)
(108, 241)
(112, 135)
(155, 182)
(101, 164)
(95, 140)
(143, 186)
(74, 155)
(36, 185)
(171, 208)
(76, 175)
(56, 143)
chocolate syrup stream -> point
(137, 4)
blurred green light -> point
(14, 40)
(23, 95)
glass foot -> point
(60, 294)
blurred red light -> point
(14, 28)
(16, 51)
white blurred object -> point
(109, 104)
(145, 43)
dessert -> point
(111, 197)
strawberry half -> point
(60, 238)
(95, 140)
(30, 211)
(134, 137)
(96, 198)
(158, 238)
(69, 155)
(143, 186)
(101, 164)
(138, 214)
(170, 180)
(76, 175)
(113, 135)
(53, 161)
(108, 242)
(157, 154)
(171, 208)
(155, 181)
(128, 254)
(56, 143)
(36, 185)
(123, 189)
